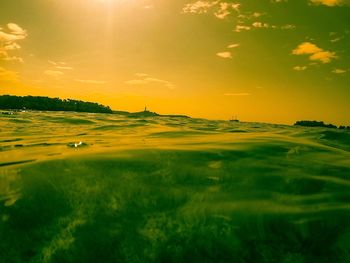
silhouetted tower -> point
(145, 108)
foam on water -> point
(78, 187)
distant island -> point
(50, 104)
(319, 124)
(146, 113)
(10, 102)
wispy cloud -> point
(91, 81)
(60, 65)
(64, 67)
(55, 63)
(15, 32)
(233, 45)
(54, 73)
(160, 81)
(240, 28)
(337, 39)
(141, 75)
(12, 46)
(339, 71)
(262, 25)
(225, 54)
(144, 79)
(148, 7)
(7, 57)
(8, 37)
(300, 68)
(315, 53)
(16, 29)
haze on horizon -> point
(274, 61)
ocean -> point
(84, 187)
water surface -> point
(80, 187)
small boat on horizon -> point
(234, 119)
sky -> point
(273, 61)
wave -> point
(172, 191)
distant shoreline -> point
(50, 104)
(41, 103)
(320, 124)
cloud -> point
(339, 71)
(155, 80)
(334, 40)
(238, 94)
(8, 75)
(330, 2)
(306, 48)
(65, 67)
(247, 21)
(199, 7)
(60, 65)
(260, 25)
(9, 37)
(16, 29)
(12, 46)
(52, 62)
(233, 45)
(144, 79)
(300, 68)
(8, 42)
(54, 73)
(13, 59)
(16, 33)
(225, 9)
(225, 54)
(5, 56)
(240, 28)
(91, 81)
(316, 53)
(244, 19)
(288, 26)
(57, 63)
(323, 56)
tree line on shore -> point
(50, 104)
(320, 124)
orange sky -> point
(267, 61)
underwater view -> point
(95, 187)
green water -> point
(78, 187)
